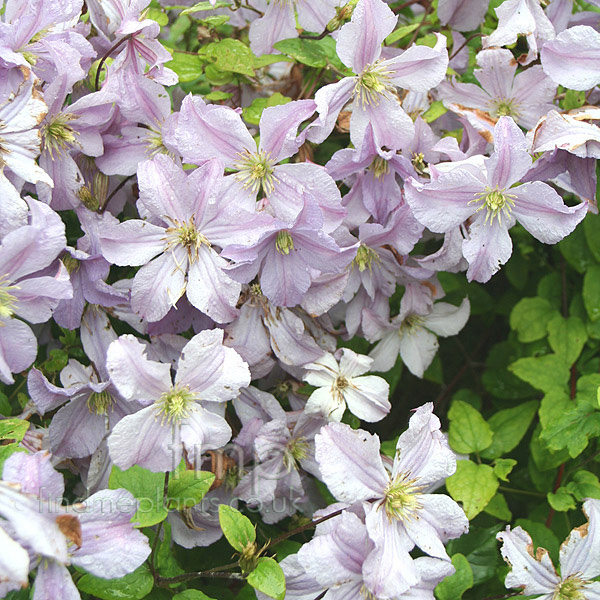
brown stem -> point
(471, 37)
(407, 4)
(103, 59)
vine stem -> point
(103, 59)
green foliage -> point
(530, 318)
(468, 431)
(253, 113)
(134, 586)
(230, 55)
(237, 528)
(187, 488)
(454, 586)
(268, 578)
(474, 485)
(147, 488)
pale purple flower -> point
(286, 188)
(174, 419)
(289, 258)
(341, 382)
(374, 104)
(484, 195)
(579, 561)
(525, 97)
(399, 512)
(186, 217)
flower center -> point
(296, 450)
(497, 202)
(174, 405)
(402, 497)
(379, 167)
(185, 234)
(100, 402)
(255, 170)
(418, 162)
(364, 258)
(410, 324)
(8, 302)
(503, 107)
(58, 134)
(570, 589)
(284, 242)
(373, 83)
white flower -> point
(340, 385)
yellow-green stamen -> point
(58, 134)
(570, 589)
(174, 405)
(8, 301)
(100, 402)
(255, 170)
(496, 202)
(373, 84)
(402, 498)
(364, 258)
(284, 242)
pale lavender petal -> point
(359, 42)
(53, 581)
(203, 430)
(487, 248)
(159, 284)
(18, 348)
(209, 289)
(131, 243)
(543, 213)
(534, 576)
(135, 376)
(350, 463)
(462, 15)
(35, 474)
(367, 398)
(212, 370)
(510, 160)
(278, 23)
(14, 563)
(446, 319)
(420, 68)
(572, 59)
(417, 350)
(147, 440)
(110, 546)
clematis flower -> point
(525, 97)
(97, 536)
(184, 221)
(399, 512)
(341, 381)
(173, 419)
(372, 89)
(462, 15)
(343, 545)
(286, 188)
(484, 195)
(413, 336)
(579, 561)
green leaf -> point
(591, 226)
(158, 15)
(13, 429)
(545, 373)
(498, 507)
(503, 466)
(455, 585)
(543, 457)
(474, 485)
(200, 6)
(591, 292)
(509, 427)
(56, 361)
(307, 52)
(187, 488)
(567, 337)
(187, 66)
(217, 96)
(530, 318)
(562, 501)
(192, 595)
(166, 563)
(268, 59)
(468, 430)
(147, 488)
(237, 528)
(401, 32)
(576, 251)
(134, 586)
(435, 111)
(584, 485)
(541, 536)
(573, 99)
(231, 55)
(253, 113)
(268, 578)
